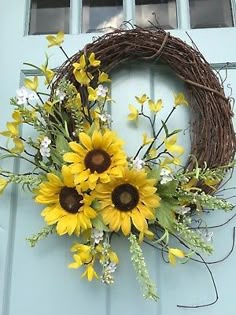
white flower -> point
(23, 95)
(111, 267)
(45, 142)
(61, 95)
(96, 235)
(165, 176)
(45, 151)
(138, 163)
(102, 91)
(182, 210)
(207, 235)
(165, 172)
(105, 118)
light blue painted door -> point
(37, 281)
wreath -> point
(82, 176)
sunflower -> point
(96, 158)
(67, 205)
(129, 199)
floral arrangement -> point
(90, 188)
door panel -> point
(37, 281)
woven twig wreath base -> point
(212, 138)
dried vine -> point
(212, 137)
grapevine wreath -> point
(89, 187)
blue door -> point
(37, 281)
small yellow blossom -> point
(141, 100)
(103, 77)
(134, 113)
(16, 115)
(55, 40)
(111, 254)
(146, 140)
(13, 133)
(170, 160)
(92, 94)
(191, 185)
(90, 273)
(171, 146)
(173, 253)
(155, 106)
(148, 234)
(3, 184)
(211, 181)
(152, 153)
(180, 99)
(48, 73)
(19, 146)
(82, 76)
(94, 62)
(32, 84)
(48, 106)
(78, 100)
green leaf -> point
(165, 128)
(32, 66)
(95, 205)
(62, 145)
(56, 157)
(99, 224)
(165, 212)
(154, 174)
(174, 132)
(92, 129)
(168, 189)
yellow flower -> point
(83, 255)
(90, 273)
(171, 146)
(92, 94)
(146, 140)
(155, 106)
(168, 161)
(55, 40)
(103, 77)
(211, 181)
(152, 153)
(32, 84)
(67, 205)
(128, 200)
(3, 184)
(14, 134)
(16, 115)
(82, 76)
(96, 158)
(141, 100)
(86, 255)
(191, 185)
(81, 65)
(111, 254)
(180, 99)
(134, 113)
(94, 62)
(48, 73)
(19, 146)
(48, 106)
(173, 253)
(78, 100)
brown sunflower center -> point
(125, 197)
(70, 200)
(97, 160)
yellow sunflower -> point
(67, 205)
(128, 200)
(96, 158)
